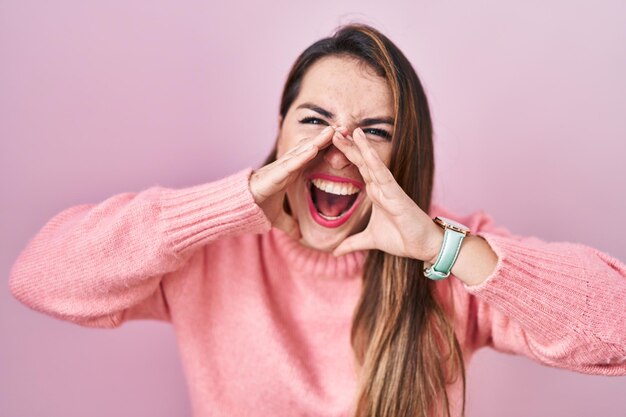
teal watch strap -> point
(447, 255)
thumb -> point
(287, 224)
(360, 241)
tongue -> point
(331, 205)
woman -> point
(302, 287)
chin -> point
(321, 240)
(322, 231)
(320, 234)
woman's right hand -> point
(268, 184)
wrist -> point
(436, 242)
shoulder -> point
(219, 261)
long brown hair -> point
(404, 344)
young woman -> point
(319, 284)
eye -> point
(313, 121)
(379, 132)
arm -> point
(475, 261)
(562, 304)
(99, 265)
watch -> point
(453, 237)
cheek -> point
(281, 145)
(383, 149)
(287, 139)
(280, 148)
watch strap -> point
(447, 255)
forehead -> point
(346, 86)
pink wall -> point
(98, 98)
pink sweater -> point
(263, 323)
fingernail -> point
(327, 129)
(339, 136)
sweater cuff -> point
(197, 215)
(538, 284)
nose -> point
(336, 158)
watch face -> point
(454, 225)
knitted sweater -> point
(263, 323)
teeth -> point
(338, 188)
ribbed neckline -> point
(314, 263)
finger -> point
(321, 140)
(351, 151)
(275, 176)
(280, 171)
(360, 241)
(326, 141)
(342, 129)
(287, 166)
(354, 154)
(377, 168)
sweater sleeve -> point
(99, 265)
(561, 304)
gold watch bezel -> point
(441, 222)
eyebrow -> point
(329, 115)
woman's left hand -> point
(397, 224)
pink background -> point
(99, 98)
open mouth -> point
(332, 200)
